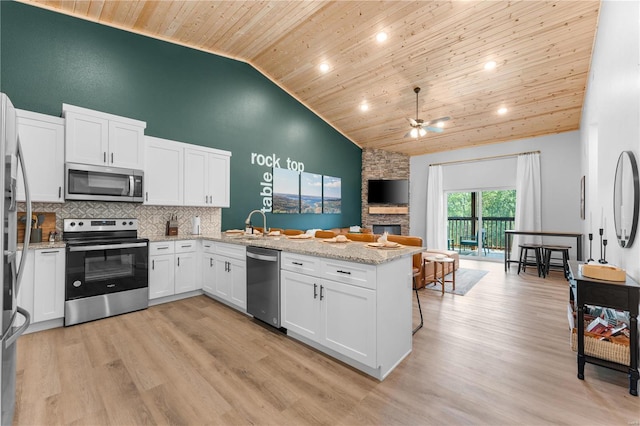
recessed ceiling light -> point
(502, 111)
(381, 36)
(490, 65)
(364, 107)
(324, 67)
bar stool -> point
(548, 250)
(524, 258)
(416, 277)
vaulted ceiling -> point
(541, 50)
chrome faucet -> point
(264, 219)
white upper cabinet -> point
(219, 179)
(164, 172)
(196, 184)
(206, 180)
(103, 139)
(179, 174)
(42, 140)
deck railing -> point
(466, 227)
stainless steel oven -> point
(106, 269)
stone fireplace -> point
(379, 164)
(391, 229)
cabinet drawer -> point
(185, 246)
(609, 295)
(208, 247)
(231, 250)
(300, 263)
(163, 247)
(350, 273)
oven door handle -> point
(107, 247)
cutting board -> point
(49, 225)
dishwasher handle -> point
(262, 257)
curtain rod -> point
(472, 160)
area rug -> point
(465, 280)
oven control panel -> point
(89, 225)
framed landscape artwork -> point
(331, 195)
(310, 193)
(286, 191)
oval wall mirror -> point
(626, 196)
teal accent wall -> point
(183, 94)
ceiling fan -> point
(420, 127)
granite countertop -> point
(352, 251)
(44, 245)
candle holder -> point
(603, 245)
(604, 256)
(590, 259)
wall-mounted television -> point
(391, 191)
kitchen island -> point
(348, 300)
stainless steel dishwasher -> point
(263, 284)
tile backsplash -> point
(152, 219)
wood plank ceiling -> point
(542, 51)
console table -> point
(510, 232)
(623, 296)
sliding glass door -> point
(477, 221)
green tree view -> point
(498, 211)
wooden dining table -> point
(508, 233)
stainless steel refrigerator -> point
(11, 273)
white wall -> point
(560, 170)
(611, 119)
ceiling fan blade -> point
(437, 120)
(433, 129)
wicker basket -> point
(602, 349)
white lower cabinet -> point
(41, 290)
(173, 268)
(230, 283)
(48, 284)
(300, 309)
(187, 277)
(208, 263)
(337, 315)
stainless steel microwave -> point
(99, 183)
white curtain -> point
(528, 201)
(436, 211)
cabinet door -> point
(126, 145)
(219, 180)
(222, 284)
(186, 272)
(42, 140)
(300, 304)
(161, 276)
(208, 273)
(196, 177)
(349, 321)
(25, 291)
(48, 287)
(87, 139)
(164, 173)
(238, 272)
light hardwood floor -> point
(498, 355)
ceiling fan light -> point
(414, 132)
(422, 132)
